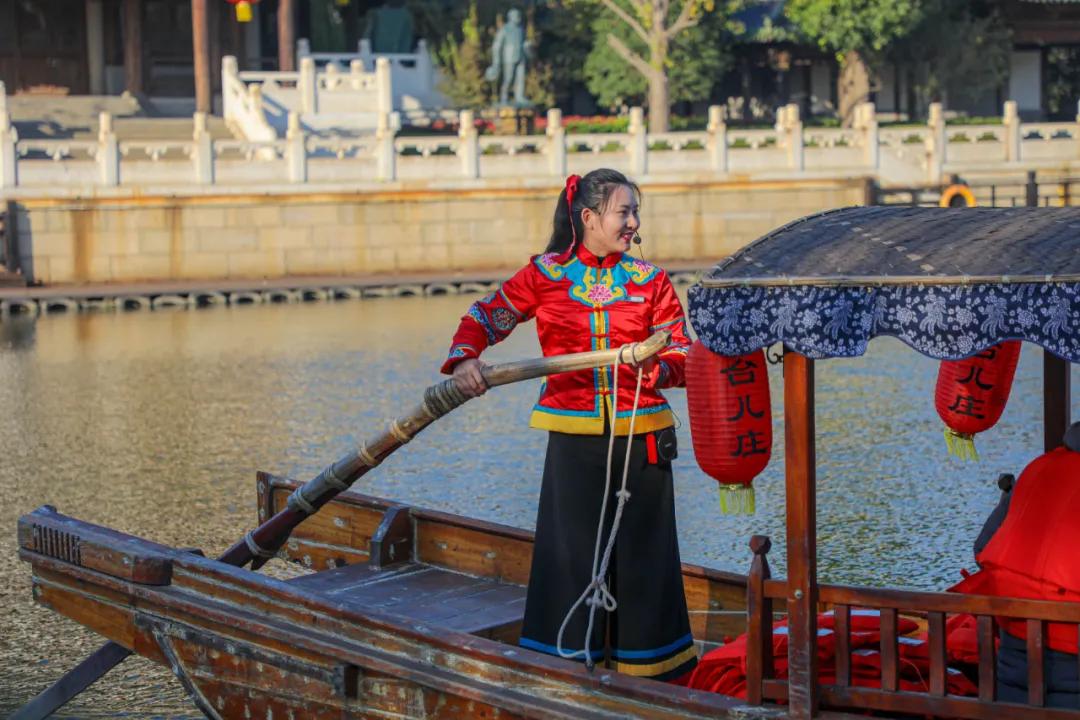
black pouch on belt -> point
(661, 446)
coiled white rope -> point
(596, 593)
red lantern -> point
(730, 421)
(971, 394)
(243, 9)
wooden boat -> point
(413, 613)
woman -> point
(586, 293)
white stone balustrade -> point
(894, 155)
(413, 76)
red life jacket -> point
(1033, 554)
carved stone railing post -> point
(639, 143)
(203, 155)
(759, 621)
(356, 73)
(303, 48)
(309, 92)
(936, 140)
(789, 126)
(556, 144)
(718, 140)
(383, 87)
(331, 76)
(469, 147)
(385, 152)
(296, 150)
(1010, 121)
(867, 125)
(108, 152)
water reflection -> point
(155, 423)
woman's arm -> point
(668, 315)
(492, 318)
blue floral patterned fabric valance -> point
(944, 322)
(948, 282)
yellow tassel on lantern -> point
(243, 11)
(736, 499)
(962, 445)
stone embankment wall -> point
(467, 228)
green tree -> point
(657, 39)
(698, 58)
(859, 32)
(463, 59)
(940, 67)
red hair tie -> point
(571, 191)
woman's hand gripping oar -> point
(263, 542)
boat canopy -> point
(949, 282)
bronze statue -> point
(509, 54)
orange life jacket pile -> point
(723, 670)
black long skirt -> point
(648, 634)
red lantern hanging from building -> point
(243, 9)
(971, 394)
(730, 421)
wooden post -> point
(800, 480)
(200, 43)
(1056, 399)
(133, 55)
(759, 620)
(95, 45)
(286, 32)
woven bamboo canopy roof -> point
(949, 282)
(910, 246)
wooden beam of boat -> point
(263, 542)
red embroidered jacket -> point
(585, 303)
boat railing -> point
(929, 609)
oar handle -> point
(527, 369)
(263, 542)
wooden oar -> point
(263, 542)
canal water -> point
(155, 424)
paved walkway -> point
(76, 118)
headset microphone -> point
(636, 239)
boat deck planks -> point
(423, 593)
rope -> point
(596, 593)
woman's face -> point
(612, 229)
